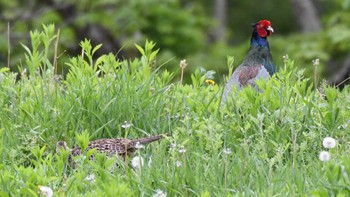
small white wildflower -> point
(173, 145)
(90, 177)
(329, 142)
(324, 156)
(46, 191)
(183, 63)
(343, 126)
(316, 62)
(174, 117)
(24, 73)
(126, 125)
(139, 146)
(159, 193)
(285, 60)
(149, 162)
(227, 151)
(178, 163)
(182, 149)
(137, 162)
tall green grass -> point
(260, 144)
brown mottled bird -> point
(120, 146)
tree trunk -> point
(220, 16)
(306, 15)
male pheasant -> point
(258, 62)
(119, 146)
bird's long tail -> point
(147, 140)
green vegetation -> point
(183, 30)
(261, 144)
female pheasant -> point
(258, 62)
(119, 146)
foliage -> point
(176, 29)
(182, 29)
(328, 45)
(336, 178)
(261, 143)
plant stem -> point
(8, 45)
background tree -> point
(220, 15)
(306, 15)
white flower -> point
(159, 193)
(178, 163)
(149, 162)
(137, 162)
(139, 146)
(324, 156)
(227, 151)
(182, 149)
(46, 191)
(90, 177)
(173, 145)
(316, 62)
(329, 142)
(183, 63)
(126, 125)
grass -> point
(260, 144)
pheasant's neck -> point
(256, 40)
(259, 54)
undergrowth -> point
(260, 144)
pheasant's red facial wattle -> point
(264, 28)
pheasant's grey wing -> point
(243, 76)
(233, 81)
(262, 73)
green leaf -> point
(96, 48)
(83, 139)
(4, 69)
(140, 50)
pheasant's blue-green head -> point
(261, 30)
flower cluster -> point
(159, 193)
(328, 142)
(45, 191)
(227, 151)
(324, 156)
(126, 125)
(183, 64)
(182, 150)
(90, 178)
